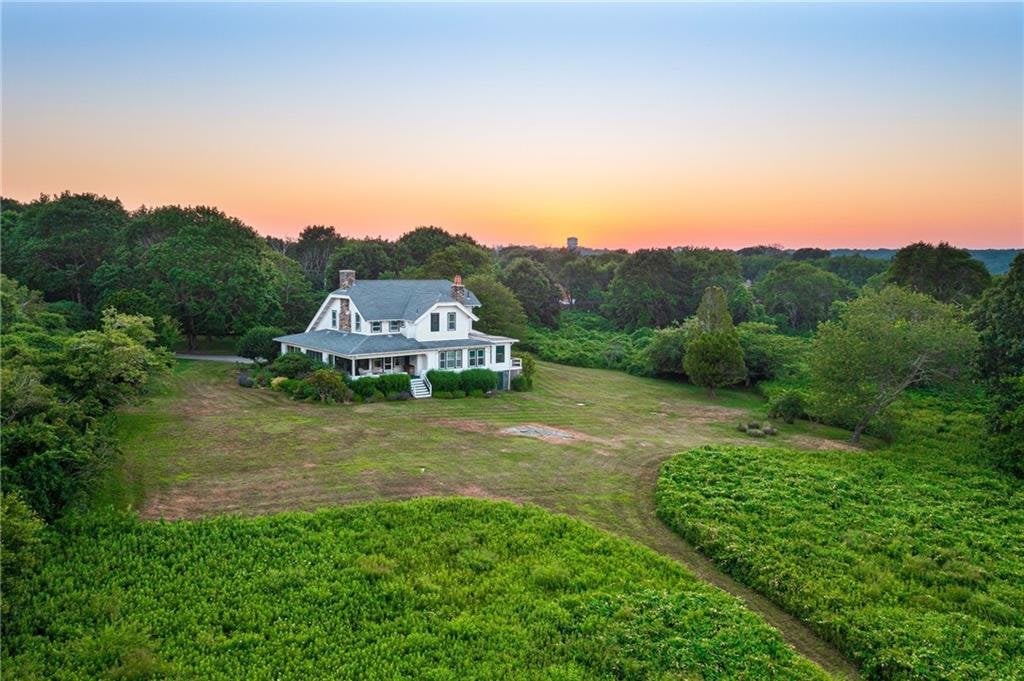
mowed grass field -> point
(204, 446)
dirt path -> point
(659, 537)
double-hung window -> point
(499, 354)
(478, 357)
(394, 326)
(451, 359)
(435, 321)
(359, 322)
(375, 327)
(451, 321)
(334, 319)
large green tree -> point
(313, 250)
(459, 258)
(370, 258)
(586, 278)
(883, 343)
(944, 272)
(500, 312)
(855, 268)
(56, 244)
(214, 273)
(420, 243)
(999, 318)
(535, 289)
(645, 290)
(801, 294)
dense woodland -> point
(94, 296)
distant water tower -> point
(572, 243)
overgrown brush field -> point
(436, 589)
(909, 559)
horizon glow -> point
(855, 125)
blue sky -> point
(859, 124)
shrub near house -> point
(472, 382)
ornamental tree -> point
(713, 357)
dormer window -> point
(435, 322)
(359, 323)
(394, 326)
(451, 321)
(334, 319)
(376, 327)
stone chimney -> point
(346, 279)
(458, 290)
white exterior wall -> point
(324, 316)
(420, 329)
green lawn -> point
(204, 446)
(431, 589)
(910, 559)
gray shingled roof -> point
(354, 344)
(407, 299)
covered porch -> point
(357, 367)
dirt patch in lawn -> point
(558, 436)
(535, 430)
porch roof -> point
(361, 345)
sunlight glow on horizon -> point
(626, 126)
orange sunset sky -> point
(628, 126)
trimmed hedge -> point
(394, 383)
(457, 384)
(478, 379)
(444, 381)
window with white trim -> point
(394, 326)
(451, 321)
(450, 359)
(435, 322)
(499, 354)
(359, 322)
(334, 319)
(376, 327)
(478, 357)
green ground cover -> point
(435, 589)
(910, 558)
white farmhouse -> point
(368, 328)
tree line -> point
(198, 272)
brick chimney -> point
(346, 279)
(458, 290)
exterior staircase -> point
(420, 388)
